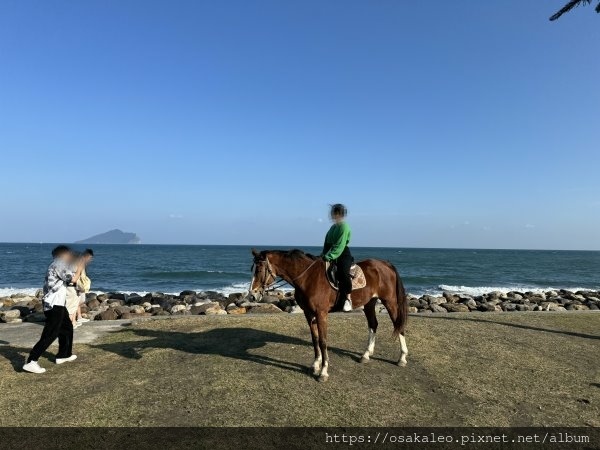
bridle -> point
(277, 280)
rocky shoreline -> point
(111, 306)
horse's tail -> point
(402, 316)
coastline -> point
(20, 307)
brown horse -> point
(316, 297)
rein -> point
(279, 283)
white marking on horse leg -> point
(324, 373)
(370, 346)
(317, 365)
(404, 351)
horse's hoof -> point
(323, 378)
(402, 363)
(364, 360)
(316, 373)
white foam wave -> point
(7, 292)
(480, 290)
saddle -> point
(356, 274)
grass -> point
(463, 369)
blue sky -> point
(439, 124)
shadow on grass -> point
(235, 343)
(17, 356)
(514, 325)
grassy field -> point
(463, 369)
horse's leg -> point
(371, 316)
(404, 351)
(394, 313)
(312, 323)
(322, 327)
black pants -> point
(343, 264)
(58, 325)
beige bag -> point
(84, 284)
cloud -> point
(529, 226)
(175, 216)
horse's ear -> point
(255, 252)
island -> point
(112, 237)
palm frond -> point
(570, 5)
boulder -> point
(294, 309)
(215, 311)
(455, 307)
(137, 309)
(23, 310)
(523, 307)
(159, 312)
(202, 309)
(270, 299)
(90, 296)
(109, 314)
(36, 317)
(487, 307)
(234, 309)
(413, 309)
(450, 298)
(438, 308)
(509, 306)
(236, 296)
(10, 316)
(177, 308)
(469, 302)
(285, 303)
(577, 308)
(264, 308)
(93, 303)
(120, 310)
(39, 293)
(186, 293)
(117, 296)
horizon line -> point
(299, 245)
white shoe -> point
(64, 360)
(33, 367)
(82, 320)
(347, 306)
(77, 325)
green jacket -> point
(336, 240)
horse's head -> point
(263, 274)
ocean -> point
(174, 268)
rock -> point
(414, 303)
(23, 310)
(109, 314)
(39, 293)
(117, 296)
(93, 303)
(15, 320)
(438, 308)
(236, 296)
(137, 309)
(487, 307)
(202, 309)
(159, 312)
(10, 316)
(450, 298)
(270, 299)
(425, 311)
(437, 300)
(577, 308)
(286, 303)
(147, 306)
(549, 306)
(90, 296)
(264, 308)
(182, 312)
(120, 310)
(132, 316)
(102, 297)
(36, 317)
(177, 308)
(187, 293)
(469, 302)
(455, 307)
(509, 306)
(523, 307)
(294, 309)
(234, 309)
(413, 309)
(514, 295)
(19, 295)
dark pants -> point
(58, 325)
(343, 264)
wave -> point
(7, 292)
(480, 290)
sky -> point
(438, 124)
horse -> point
(313, 293)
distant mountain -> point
(112, 237)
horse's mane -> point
(292, 254)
